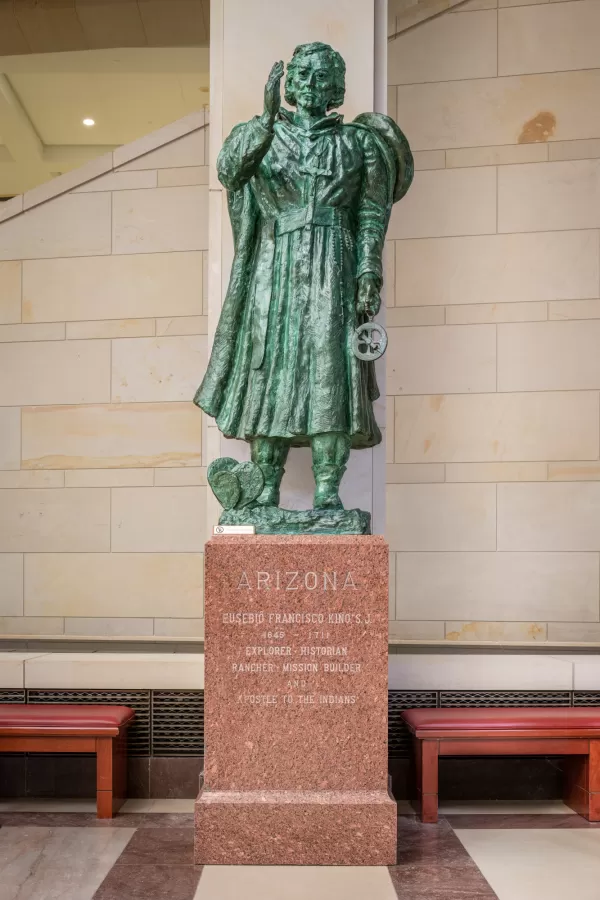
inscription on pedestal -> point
(296, 657)
(265, 631)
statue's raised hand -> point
(272, 95)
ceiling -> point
(131, 65)
(48, 26)
(128, 92)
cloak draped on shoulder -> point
(309, 209)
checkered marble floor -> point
(58, 849)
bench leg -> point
(582, 783)
(111, 775)
(426, 759)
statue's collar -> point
(323, 124)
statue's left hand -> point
(368, 300)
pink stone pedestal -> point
(296, 646)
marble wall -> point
(493, 292)
(493, 372)
(102, 345)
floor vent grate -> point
(505, 698)
(16, 696)
(177, 723)
(398, 734)
(586, 698)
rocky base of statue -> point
(274, 520)
(239, 489)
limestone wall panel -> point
(441, 516)
(10, 291)
(517, 586)
(551, 196)
(491, 112)
(125, 435)
(552, 516)
(503, 268)
(446, 202)
(549, 356)
(160, 221)
(114, 287)
(10, 437)
(54, 521)
(445, 48)
(549, 37)
(158, 519)
(150, 370)
(71, 225)
(50, 372)
(114, 585)
(11, 584)
(497, 427)
(441, 358)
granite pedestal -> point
(296, 649)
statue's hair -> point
(335, 60)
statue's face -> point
(314, 82)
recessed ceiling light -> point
(89, 122)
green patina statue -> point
(310, 199)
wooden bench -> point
(46, 728)
(529, 731)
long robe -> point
(309, 209)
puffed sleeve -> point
(242, 152)
(373, 209)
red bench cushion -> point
(534, 717)
(70, 717)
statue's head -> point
(316, 78)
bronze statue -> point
(310, 199)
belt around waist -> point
(330, 216)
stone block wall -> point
(493, 292)
(494, 316)
(102, 345)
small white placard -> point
(233, 529)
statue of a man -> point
(309, 200)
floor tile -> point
(89, 820)
(156, 882)
(57, 863)
(295, 883)
(418, 844)
(158, 806)
(435, 881)
(433, 865)
(541, 807)
(538, 822)
(537, 864)
(405, 808)
(168, 846)
(48, 805)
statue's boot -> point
(330, 453)
(270, 455)
(327, 481)
(270, 492)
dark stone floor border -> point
(89, 820)
(432, 864)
